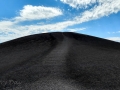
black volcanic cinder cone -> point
(60, 61)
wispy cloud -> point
(115, 32)
(104, 9)
(75, 29)
(79, 3)
(6, 23)
(84, 3)
(114, 39)
(30, 12)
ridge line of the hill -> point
(91, 40)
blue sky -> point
(100, 18)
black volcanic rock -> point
(60, 61)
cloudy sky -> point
(100, 18)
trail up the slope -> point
(56, 59)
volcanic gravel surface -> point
(60, 61)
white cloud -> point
(5, 23)
(30, 12)
(75, 29)
(84, 3)
(79, 3)
(115, 32)
(114, 39)
(97, 12)
(49, 27)
(20, 31)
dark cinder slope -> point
(60, 61)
